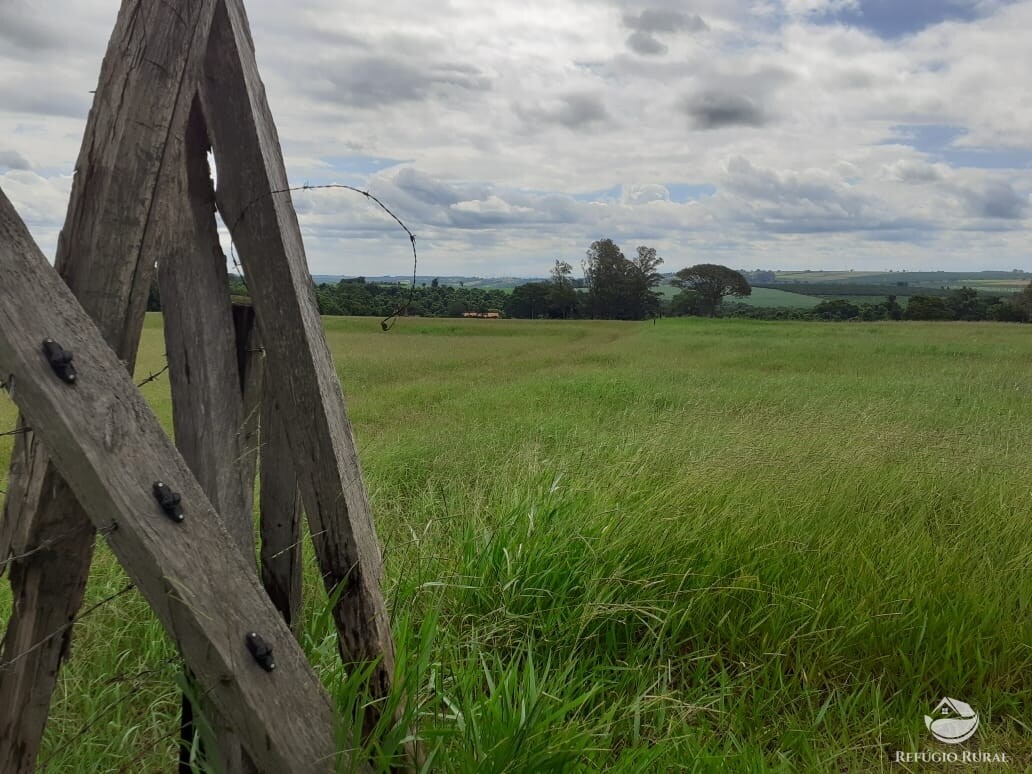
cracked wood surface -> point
(299, 368)
(105, 254)
(110, 449)
(200, 344)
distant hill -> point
(487, 283)
(998, 281)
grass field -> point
(991, 280)
(770, 297)
(697, 545)
(776, 298)
(829, 276)
(1000, 285)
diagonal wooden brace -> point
(299, 369)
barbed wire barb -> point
(152, 377)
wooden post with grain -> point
(180, 78)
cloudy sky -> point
(866, 134)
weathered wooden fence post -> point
(142, 196)
(281, 513)
(112, 452)
(200, 342)
(299, 369)
(106, 256)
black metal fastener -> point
(261, 650)
(169, 501)
(60, 360)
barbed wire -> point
(387, 322)
(154, 376)
(137, 680)
(48, 543)
(24, 429)
(65, 627)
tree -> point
(836, 309)
(965, 305)
(643, 277)
(712, 282)
(687, 302)
(1023, 301)
(618, 288)
(529, 300)
(1005, 311)
(872, 312)
(927, 308)
(562, 300)
(237, 286)
(892, 308)
(605, 271)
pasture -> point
(777, 298)
(682, 546)
(829, 276)
(760, 296)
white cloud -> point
(498, 117)
(643, 194)
(810, 7)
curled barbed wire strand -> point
(388, 322)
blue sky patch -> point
(348, 170)
(937, 140)
(361, 165)
(892, 19)
(351, 169)
(989, 158)
(679, 193)
(927, 138)
(688, 192)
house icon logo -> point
(952, 721)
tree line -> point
(962, 304)
(354, 296)
(615, 287)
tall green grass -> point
(694, 545)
